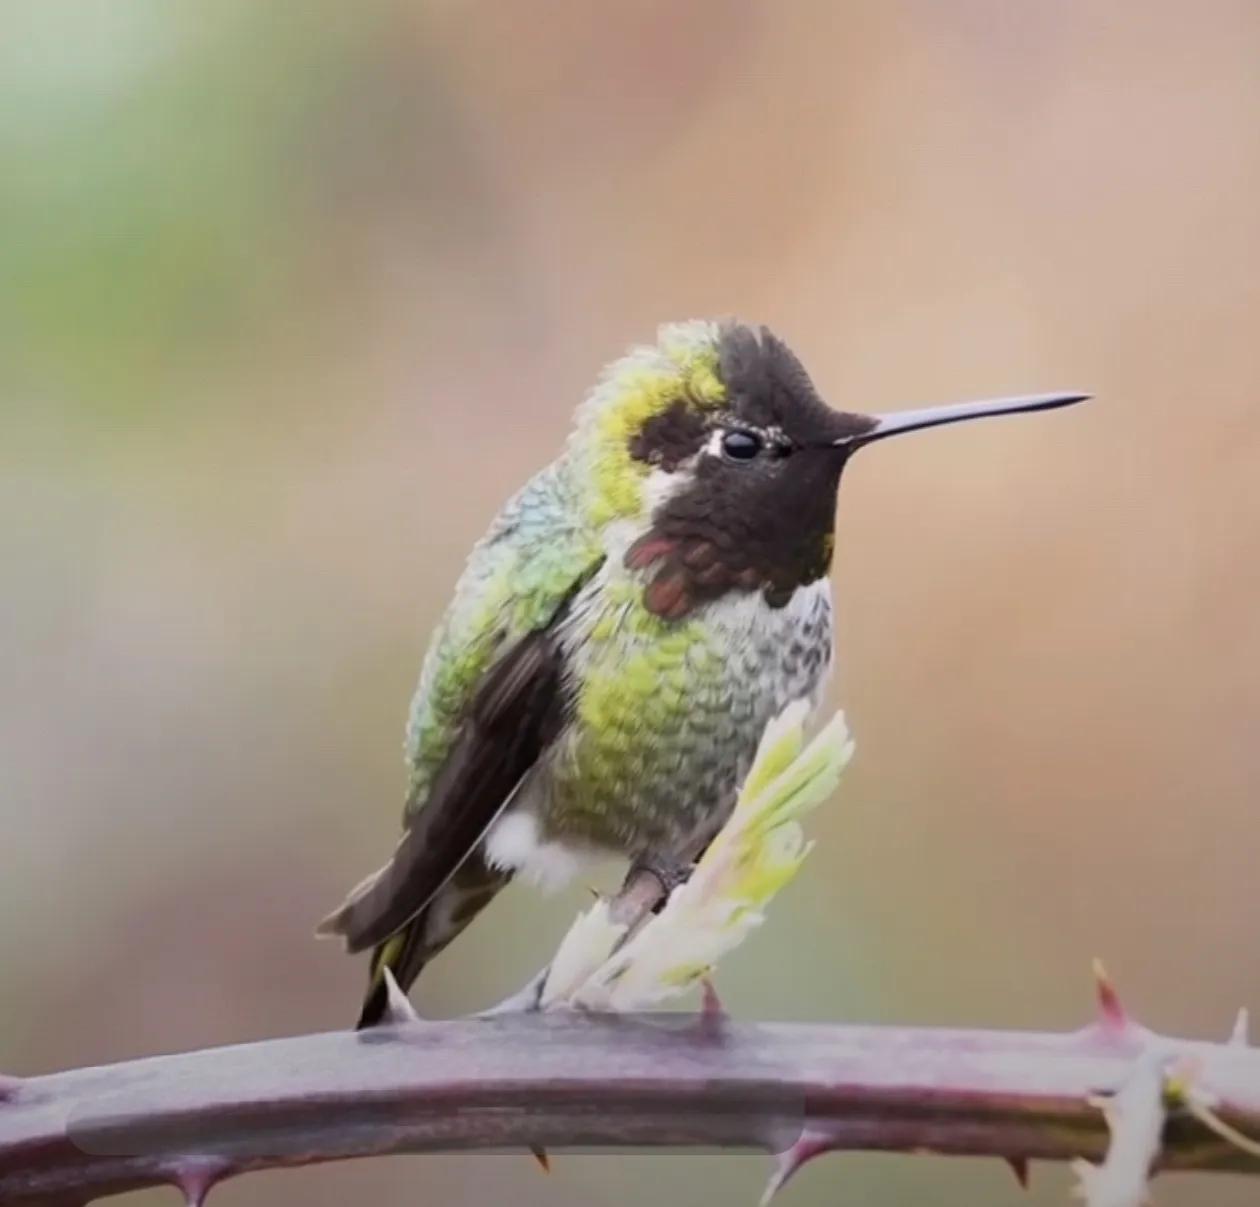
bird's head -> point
(720, 461)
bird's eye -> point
(740, 445)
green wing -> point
(490, 701)
(517, 578)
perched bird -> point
(622, 634)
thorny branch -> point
(540, 1073)
(564, 1079)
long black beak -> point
(912, 421)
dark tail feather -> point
(373, 1008)
(403, 954)
(406, 952)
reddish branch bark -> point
(557, 1081)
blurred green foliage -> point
(160, 166)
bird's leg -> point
(654, 874)
(669, 870)
(640, 894)
(647, 887)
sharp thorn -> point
(809, 1144)
(540, 1155)
(196, 1177)
(195, 1196)
(1019, 1167)
(1240, 1036)
(712, 1012)
(1112, 1016)
(399, 1012)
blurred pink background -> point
(293, 295)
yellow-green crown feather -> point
(682, 364)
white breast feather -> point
(513, 844)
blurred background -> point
(292, 295)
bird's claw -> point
(668, 872)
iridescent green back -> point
(552, 534)
(516, 579)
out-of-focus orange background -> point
(292, 295)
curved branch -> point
(565, 1080)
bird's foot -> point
(668, 871)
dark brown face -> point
(755, 506)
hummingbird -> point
(622, 634)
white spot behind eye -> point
(713, 447)
(658, 486)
